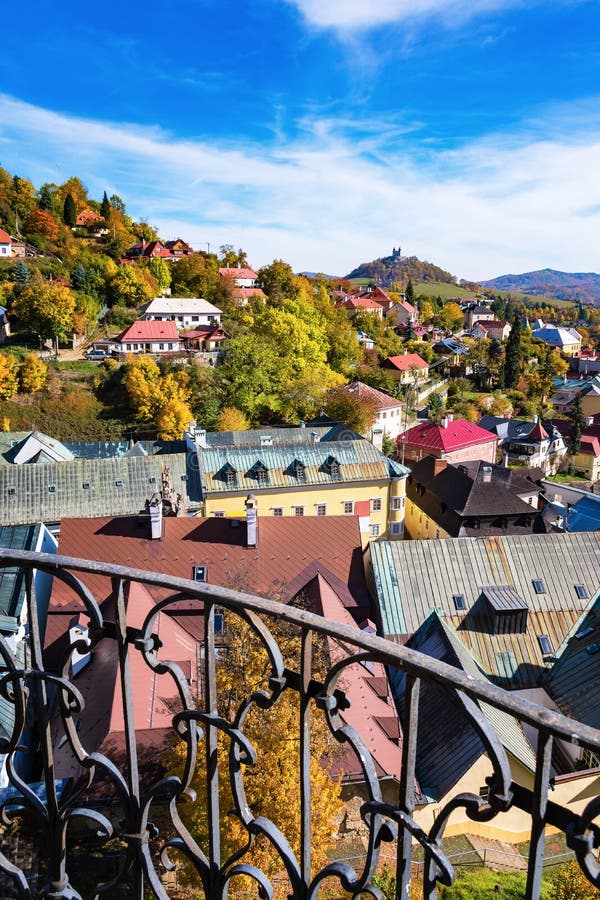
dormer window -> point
(299, 470)
(230, 475)
(261, 473)
(334, 468)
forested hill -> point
(579, 286)
(399, 268)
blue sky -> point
(324, 132)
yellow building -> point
(324, 471)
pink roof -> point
(591, 445)
(243, 292)
(234, 272)
(365, 302)
(150, 331)
(407, 361)
(4, 237)
(381, 400)
(490, 323)
(537, 433)
(457, 434)
(408, 307)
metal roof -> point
(358, 460)
(413, 578)
(47, 492)
(504, 597)
(20, 537)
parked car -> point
(97, 354)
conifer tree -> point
(70, 211)
(409, 293)
(577, 420)
(513, 354)
(105, 207)
(22, 272)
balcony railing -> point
(145, 828)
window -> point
(397, 528)
(184, 477)
(376, 504)
(484, 792)
(375, 530)
(261, 473)
(219, 513)
(230, 477)
(51, 488)
(592, 648)
(161, 346)
(298, 510)
(334, 468)
(397, 502)
(11, 491)
(459, 601)
(119, 482)
(584, 632)
(581, 591)
(321, 509)
(195, 318)
(545, 645)
(538, 586)
(86, 485)
(348, 507)
(278, 510)
(507, 665)
(219, 620)
(299, 470)
(152, 480)
(199, 573)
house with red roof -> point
(491, 328)
(91, 220)
(403, 313)
(455, 440)
(152, 336)
(406, 367)
(388, 419)
(172, 251)
(5, 244)
(243, 277)
(360, 303)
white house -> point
(242, 277)
(388, 419)
(5, 244)
(186, 312)
(147, 337)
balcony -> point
(111, 814)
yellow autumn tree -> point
(32, 374)
(272, 783)
(570, 883)
(9, 376)
(172, 419)
(141, 379)
(232, 419)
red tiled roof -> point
(490, 323)
(457, 434)
(152, 330)
(5, 238)
(234, 272)
(590, 445)
(537, 433)
(88, 217)
(381, 400)
(361, 302)
(241, 293)
(408, 307)
(407, 361)
(287, 545)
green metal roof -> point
(84, 488)
(358, 461)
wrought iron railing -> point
(144, 830)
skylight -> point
(581, 591)
(545, 645)
(459, 601)
(538, 586)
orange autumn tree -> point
(272, 784)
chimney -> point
(589, 421)
(438, 466)
(155, 508)
(535, 419)
(301, 424)
(486, 474)
(444, 422)
(450, 417)
(251, 521)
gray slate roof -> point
(413, 578)
(26, 494)
(255, 437)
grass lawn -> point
(565, 478)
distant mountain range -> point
(578, 286)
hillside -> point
(388, 269)
(583, 287)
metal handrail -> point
(30, 690)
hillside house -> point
(388, 419)
(407, 368)
(474, 313)
(360, 303)
(532, 444)
(567, 340)
(569, 389)
(492, 329)
(5, 244)
(147, 336)
(186, 312)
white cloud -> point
(351, 15)
(339, 194)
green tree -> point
(436, 407)
(577, 420)
(105, 207)
(512, 360)
(22, 272)
(46, 308)
(131, 287)
(160, 271)
(409, 293)
(70, 211)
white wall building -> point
(186, 312)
